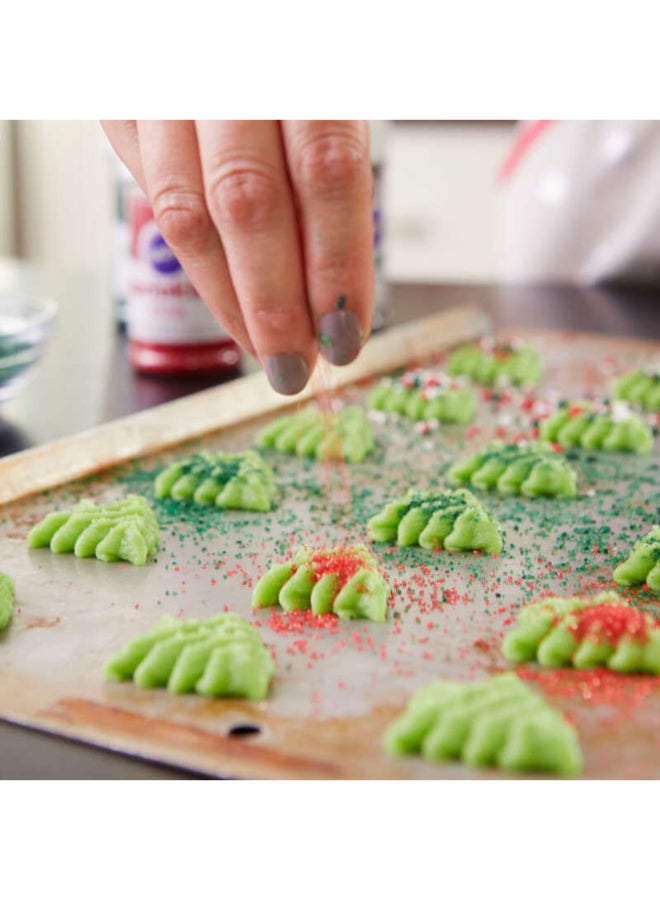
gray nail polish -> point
(340, 337)
(288, 373)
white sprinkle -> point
(621, 412)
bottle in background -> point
(170, 329)
(382, 307)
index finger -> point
(330, 169)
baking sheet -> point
(338, 684)
(221, 407)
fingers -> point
(330, 169)
(122, 134)
(173, 181)
(273, 224)
(249, 198)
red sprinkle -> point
(298, 620)
(597, 685)
(345, 564)
(610, 622)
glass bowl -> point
(25, 325)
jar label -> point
(163, 306)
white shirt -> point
(581, 203)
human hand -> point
(273, 224)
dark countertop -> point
(85, 379)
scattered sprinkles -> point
(609, 622)
(447, 613)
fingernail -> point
(288, 373)
(340, 337)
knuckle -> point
(182, 218)
(332, 164)
(278, 321)
(244, 194)
(337, 265)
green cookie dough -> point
(455, 520)
(499, 722)
(425, 395)
(585, 633)
(219, 657)
(126, 530)
(6, 600)
(228, 480)
(488, 362)
(643, 563)
(529, 468)
(604, 427)
(641, 386)
(343, 435)
(344, 581)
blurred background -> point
(540, 223)
(58, 182)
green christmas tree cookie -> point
(530, 468)
(6, 600)
(343, 435)
(343, 580)
(126, 530)
(489, 362)
(228, 480)
(592, 427)
(643, 563)
(219, 657)
(584, 633)
(455, 520)
(641, 386)
(425, 395)
(499, 722)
